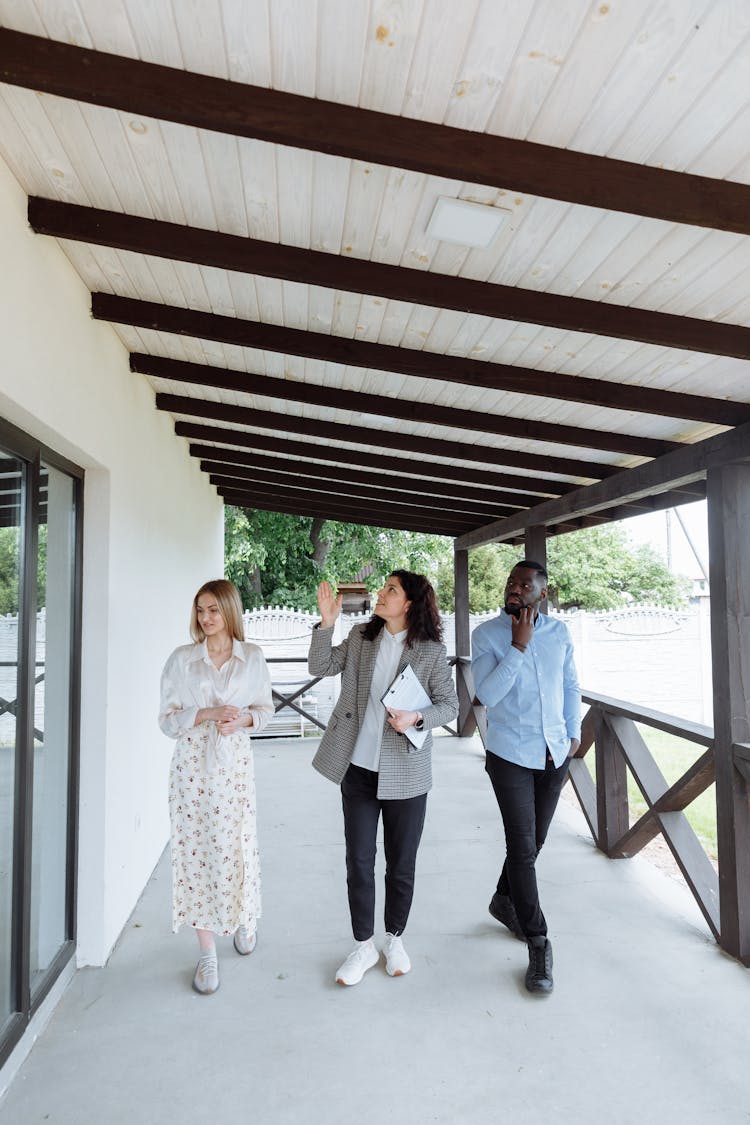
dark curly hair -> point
(422, 617)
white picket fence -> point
(282, 633)
(659, 658)
(651, 655)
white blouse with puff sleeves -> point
(190, 682)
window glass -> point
(52, 728)
(12, 484)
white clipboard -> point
(407, 694)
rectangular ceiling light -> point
(469, 224)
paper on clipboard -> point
(407, 694)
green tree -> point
(279, 559)
(648, 580)
(597, 568)
(9, 546)
(488, 569)
(10, 539)
(591, 569)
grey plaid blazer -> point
(405, 771)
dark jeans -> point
(402, 830)
(527, 800)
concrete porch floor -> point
(648, 1021)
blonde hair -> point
(230, 608)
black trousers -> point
(527, 799)
(402, 830)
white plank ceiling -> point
(664, 83)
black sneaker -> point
(539, 972)
(502, 910)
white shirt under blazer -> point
(404, 771)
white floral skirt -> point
(215, 860)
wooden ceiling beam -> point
(368, 515)
(420, 287)
(320, 507)
(249, 465)
(12, 487)
(245, 444)
(264, 505)
(422, 413)
(239, 462)
(204, 102)
(337, 432)
(11, 484)
(334, 502)
(670, 499)
(667, 473)
(229, 476)
(9, 517)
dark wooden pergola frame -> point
(356, 473)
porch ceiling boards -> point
(245, 186)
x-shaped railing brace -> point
(287, 701)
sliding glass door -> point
(51, 803)
(40, 550)
(12, 497)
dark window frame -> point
(33, 453)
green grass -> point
(673, 756)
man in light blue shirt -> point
(524, 673)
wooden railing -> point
(282, 701)
(9, 705)
(609, 726)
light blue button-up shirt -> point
(532, 698)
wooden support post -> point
(466, 720)
(535, 547)
(611, 786)
(729, 550)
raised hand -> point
(328, 604)
(522, 627)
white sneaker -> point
(396, 958)
(357, 963)
(206, 979)
(244, 942)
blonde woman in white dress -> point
(213, 694)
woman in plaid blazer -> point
(365, 751)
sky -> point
(664, 532)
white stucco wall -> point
(153, 532)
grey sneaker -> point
(357, 963)
(206, 979)
(244, 942)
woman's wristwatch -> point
(419, 725)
